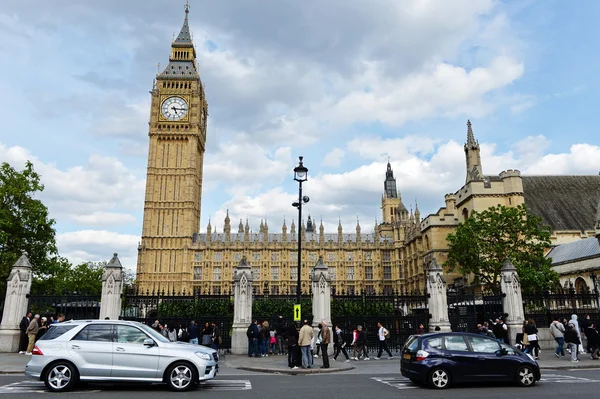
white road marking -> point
(396, 382)
(29, 386)
(569, 379)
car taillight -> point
(37, 351)
(421, 355)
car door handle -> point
(75, 347)
(119, 349)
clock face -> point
(174, 108)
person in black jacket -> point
(24, 340)
(280, 330)
(532, 331)
(290, 337)
(593, 340)
(572, 340)
(339, 344)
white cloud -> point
(104, 219)
(333, 158)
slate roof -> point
(179, 70)
(563, 202)
(573, 251)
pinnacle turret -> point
(241, 227)
(473, 155)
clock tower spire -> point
(177, 135)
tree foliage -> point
(485, 240)
(24, 221)
(61, 277)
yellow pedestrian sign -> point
(297, 313)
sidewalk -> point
(279, 364)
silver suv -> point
(117, 351)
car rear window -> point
(432, 343)
(56, 330)
(412, 344)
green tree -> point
(481, 244)
(61, 277)
(24, 221)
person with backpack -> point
(383, 334)
(252, 333)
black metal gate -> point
(72, 306)
(462, 311)
(268, 307)
(400, 314)
(180, 309)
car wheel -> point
(439, 378)
(525, 376)
(181, 376)
(61, 377)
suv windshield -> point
(56, 330)
(153, 333)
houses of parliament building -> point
(174, 256)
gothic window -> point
(216, 290)
(237, 256)
(426, 243)
(349, 256)
(275, 256)
(370, 290)
(293, 290)
(256, 273)
(350, 290)
(387, 256)
(312, 257)
(331, 256)
(217, 274)
(274, 273)
(294, 273)
(368, 256)
(198, 257)
(465, 214)
(387, 272)
(387, 290)
(197, 273)
(255, 255)
(369, 272)
(218, 256)
(350, 273)
(274, 290)
(294, 256)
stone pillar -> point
(512, 301)
(15, 304)
(321, 298)
(242, 308)
(112, 287)
(437, 301)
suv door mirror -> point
(148, 342)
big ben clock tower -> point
(174, 179)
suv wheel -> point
(525, 376)
(181, 376)
(439, 378)
(61, 377)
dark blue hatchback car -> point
(440, 359)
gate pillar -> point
(321, 301)
(512, 303)
(15, 304)
(437, 301)
(112, 288)
(242, 307)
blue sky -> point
(346, 84)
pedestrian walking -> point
(325, 341)
(557, 330)
(383, 334)
(573, 341)
(577, 330)
(317, 341)
(290, 337)
(280, 329)
(500, 330)
(264, 338)
(32, 331)
(216, 336)
(532, 336)
(360, 344)
(207, 335)
(339, 344)
(305, 340)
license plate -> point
(407, 356)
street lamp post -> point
(300, 175)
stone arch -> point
(426, 242)
(465, 214)
(581, 286)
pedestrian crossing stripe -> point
(568, 379)
(396, 382)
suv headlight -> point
(204, 356)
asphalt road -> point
(560, 383)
